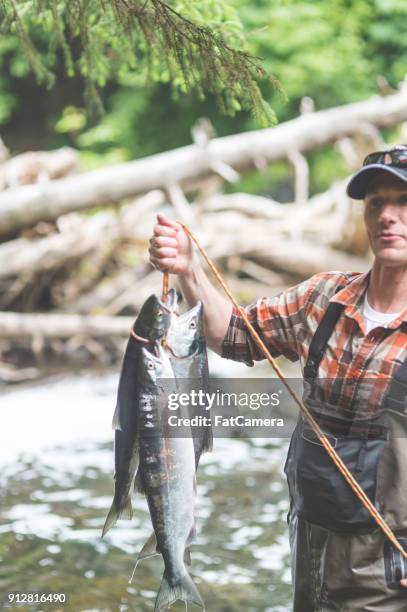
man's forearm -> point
(196, 286)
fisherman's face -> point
(386, 219)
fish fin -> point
(184, 590)
(192, 535)
(116, 418)
(187, 556)
(115, 513)
(126, 512)
(149, 549)
(138, 483)
(110, 521)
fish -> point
(152, 324)
(167, 473)
(188, 356)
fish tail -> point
(117, 512)
(184, 590)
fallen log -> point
(17, 325)
(78, 237)
(27, 205)
(265, 276)
(305, 258)
(32, 256)
(125, 291)
(329, 218)
(133, 297)
(11, 374)
(84, 276)
(254, 206)
(38, 166)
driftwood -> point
(304, 259)
(254, 206)
(329, 218)
(10, 374)
(135, 294)
(128, 288)
(84, 276)
(32, 256)
(77, 238)
(27, 205)
(262, 275)
(89, 274)
(38, 167)
(17, 325)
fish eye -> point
(150, 365)
(192, 325)
(160, 313)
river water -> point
(56, 466)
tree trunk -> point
(305, 258)
(23, 206)
(17, 325)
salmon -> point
(167, 476)
(152, 325)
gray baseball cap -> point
(392, 160)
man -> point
(349, 331)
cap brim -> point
(358, 184)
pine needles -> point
(122, 36)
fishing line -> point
(134, 571)
(166, 283)
(355, 486)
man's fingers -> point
(161, 252)
(163, 241)
(157, 263)
(164, 230)
(166, 263)
(163, 220)
(403, 583)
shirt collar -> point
(352, 295)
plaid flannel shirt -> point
(356, 369)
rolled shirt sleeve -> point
(278, 321)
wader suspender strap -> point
(396, 397)
(320, 339)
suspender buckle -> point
(310, 369)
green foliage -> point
(335, 51)
(72, 120)
(190, 50)
(317, 49)
(331, 50)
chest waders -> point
(374, 450)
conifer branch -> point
(147, 32)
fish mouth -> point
(193, 353)
(194, 311)
(170, 301)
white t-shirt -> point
(373, 318)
